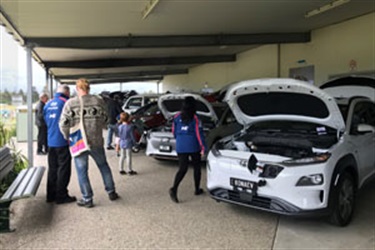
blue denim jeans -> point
(111, 130)
(82, 166)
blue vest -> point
(189, 137)
(51, 112)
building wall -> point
(335, 50)
(344, 48)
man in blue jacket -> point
(59, 158)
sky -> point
(13, 71)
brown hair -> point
(83, 84)
(124, 117)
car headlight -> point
(311, 180)
(309, 160)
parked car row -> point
(280, 145)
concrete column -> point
(30, 114)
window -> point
(134, 103)
(363, 113)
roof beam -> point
(124, 74)
(120, 80)
(113, 63)
(166, 41)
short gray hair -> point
(63, 88)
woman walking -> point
(190, 142)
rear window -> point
(282, 104)
(176, 105)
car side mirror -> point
(365, 128)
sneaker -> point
(67, 199)
(173, 195)
(110, 148)
(41, 153)
(122, 172)
(113, 196)
(83, 203)
(198, 191)
(132, 172)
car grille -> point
(259, 202)
(256, 200)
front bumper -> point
(279, 194)
(273, 205)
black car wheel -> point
(343, 200)
(136, 149)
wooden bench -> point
(24, 186)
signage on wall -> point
(305, 73)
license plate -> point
(241, 183)
(165, 148)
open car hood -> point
(171, 104)
(351, 86)
(283, 99)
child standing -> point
(127, 141)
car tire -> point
(343, 200)
(136, 149)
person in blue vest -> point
(59, 158)
(190, 142)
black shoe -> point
(122, 172)
(41, 153)
(132, 172)
(113, 196)
(83, 203)
(110, 148)
(173, 195)
(198, 191)
(67, 199)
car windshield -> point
(149, 109)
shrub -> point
(20, 160)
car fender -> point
(346, 163)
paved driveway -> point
(146, 218)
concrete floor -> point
(145, 218)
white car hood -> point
(170, 113)
(351, 86)
(299, 89)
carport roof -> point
(112, 41)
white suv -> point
(302, 151)
(137, 101)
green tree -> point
(35, 95)
(5, 97)
(21, 93)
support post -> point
(30, 113)
(278, 60)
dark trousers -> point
(183, 161)
(42, 139)
(59, 170)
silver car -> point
(161, 143)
